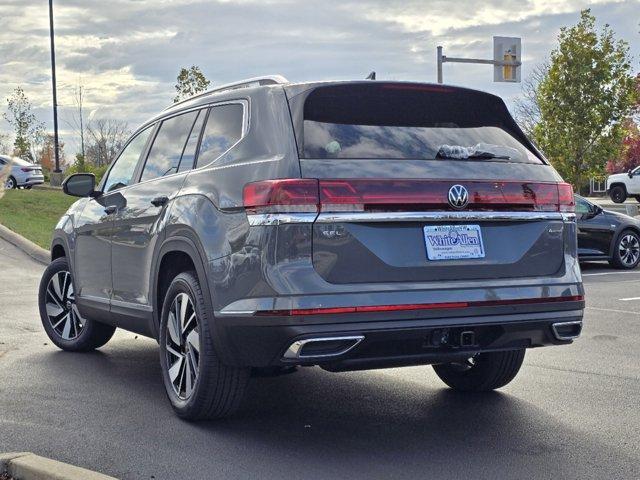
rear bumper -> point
(384, 340)
(34, 180)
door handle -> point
(159, 201)
(110, 209)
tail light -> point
(26, 169)
(360, 195)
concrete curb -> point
(27, 466)
(36, 252)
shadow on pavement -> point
(312, 424)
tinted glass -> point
(121, 174)
(334, 140)
(223, 129)
(189, 154)
(407, 121)
(166, 151)
(582, 206)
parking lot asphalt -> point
(573, 411)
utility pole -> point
(55, 97)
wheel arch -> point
(618, 234)
(177, 254)
(618, 184)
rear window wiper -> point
(457, 152)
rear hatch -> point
(425, 183)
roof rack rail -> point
(249, 82)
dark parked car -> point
(606, 235)
(351, 225)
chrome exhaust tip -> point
(567, 330)
(326, 347)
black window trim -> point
(105, 177)
(157, 127)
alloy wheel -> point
(183, 346)
(629, 249)
(61, 306)
(10, 183)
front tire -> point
(484, 372)
(618, 194)
(626, 251)
(198, 384)
(11, 183)
(60, 316)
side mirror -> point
(80, 185)
(630, 173)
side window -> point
(189, 154)
(223, 129)
(166, 151)
(121, 174)
(582, 207)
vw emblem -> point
(458, 196)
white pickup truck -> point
(623, 185)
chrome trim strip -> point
(293, 352)
(437, 216)
(262, 219)
(554, 328)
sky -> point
(127, 53)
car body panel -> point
(249, 270)
(32, 176)
(599, 230)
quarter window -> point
(223, 129)
(166, 151)
(121, 173)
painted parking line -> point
(629, 299)
(610, 273)
(612, 310)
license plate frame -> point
(453, 242)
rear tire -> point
(618, 194)
(198, 384)
(59, 314)
(487, 371)
(626, 251)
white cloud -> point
(128, 52)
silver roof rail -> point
(249, 82)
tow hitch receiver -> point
(450, 337)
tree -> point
(46, 156)
(190, 82)
(630, 155)
(583, 99)
(77, 122)
(106, 138)
(5, 144)
(29, 132)
(527, 107)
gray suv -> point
(267, 225)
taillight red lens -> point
(566, 201)
(357, 195)
(295, 194)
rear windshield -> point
(390, 122)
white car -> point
(21, 173)
(623, 185)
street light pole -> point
(55, 99)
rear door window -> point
(189, 154)
(166, 152)
(222, 131)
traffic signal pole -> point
(444, 59)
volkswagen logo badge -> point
(458, 197)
